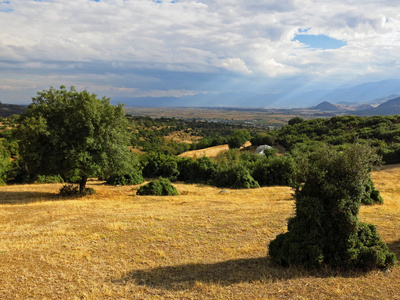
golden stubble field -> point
(202, 244)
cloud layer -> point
(144, 48)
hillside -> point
(202, 244)
(7, 110)
(326, 106)
(390, 107)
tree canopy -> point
(73, 134)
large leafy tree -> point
(73, 134)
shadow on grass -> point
(27, 197)
(225, 273)
(395, 248)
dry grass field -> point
(210, 151)
(257, 116)
(202, 244)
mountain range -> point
(373, 98)
(293, 97)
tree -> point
(73, 133)
(238, 138)
(295, 120)
(325, 228)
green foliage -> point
(159, 187)
(380, 132)
(149, 134)
(201, 170)
(235, 177)
(17, 173)
(371, 195)
(69, 190)
(125, 179)
(275, 170)
(5, 164)
(204, 170)
(325, 228)
(68, 131)
(238, 138)
(295, 120)
(49, 179)
(390, 154)
(262, 138)
(160, 165)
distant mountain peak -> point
(326, 106)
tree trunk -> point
(82, 184)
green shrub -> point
(49, 179)
(88, 191)
(186, 169)
(325, 229)
(69, 190)
(236, 177)
(262, 138)
(277, 170)
(5, 164)
(17, 173)
(238, 138)
(159, 187)
(372, 195)
(160, 165)
(201, 170)
(125, 179)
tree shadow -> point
(224, 273)
(26, 197)
(395, 248)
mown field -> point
(203, 244)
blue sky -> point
(220, 52)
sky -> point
(196, 53)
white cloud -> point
(235, 64)
(52, 39)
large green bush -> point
(125, 179)
(236, 177)
(277, 170)
(160, 165)
(200, 170)
(158, 187)
(238, 138)
(325, 229)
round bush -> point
(159, 187)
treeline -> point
(233, 169)
(381, 132)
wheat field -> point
(203, 244)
